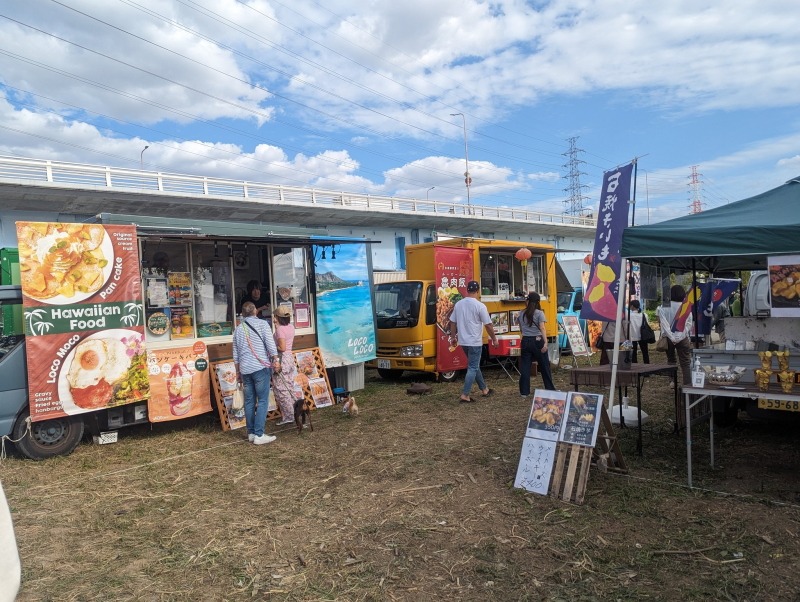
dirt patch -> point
(412, 500)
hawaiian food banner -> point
(179, 382)
(83, 317)
(454, 269)
(600, 300)
(345, 318)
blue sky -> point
(358, 96)
(350, 262)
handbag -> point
(663, 344)
(237, 405)
(647, 335)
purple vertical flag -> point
(600, 299)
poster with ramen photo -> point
(83, 315)
(180, 385)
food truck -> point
(130, 319)
(413, 315)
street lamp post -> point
(467, 179)
(141, 158)
(428, 191)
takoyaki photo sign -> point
(84, 317)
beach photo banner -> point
(345, 316)
(84, 317)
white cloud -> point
(68, 58)
(446, 174)
(791, 162)
(544, 176)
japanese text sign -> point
(600, 301)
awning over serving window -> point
(244, 231)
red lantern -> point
(588, 259)
(523, 255)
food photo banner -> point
(84, 317)
(180, 382)
(784, 279)
(600, 300)
(345, 317)
(454, 269)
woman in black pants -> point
(534, 345)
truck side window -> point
(578, 303)
(430, 305)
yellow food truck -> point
(413, 315)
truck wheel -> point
(448, 377)
(48, 438)
(390, 374)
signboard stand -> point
(577, 342)
(581, 458)
(563, 439)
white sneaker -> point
(263, 439)
(250, 437)
(285, 422)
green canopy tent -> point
(738, 236)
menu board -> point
(577, 343)
(535, 465)
(582, 419)
(179, 381)
(499, 322)
(547, 414)
(84, 317)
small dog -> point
(301, 413)
(350, 406)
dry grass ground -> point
(409, 501)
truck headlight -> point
(411, 351)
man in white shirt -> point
(468, 320)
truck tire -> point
(448, 377)
(48, 438)
(390, 374)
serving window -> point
(196, 290)
(502, 275)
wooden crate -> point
(572, 462)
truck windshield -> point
(563, 301)
(398, 304)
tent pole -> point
(617, 333)
(741, 295)
(694, 306)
